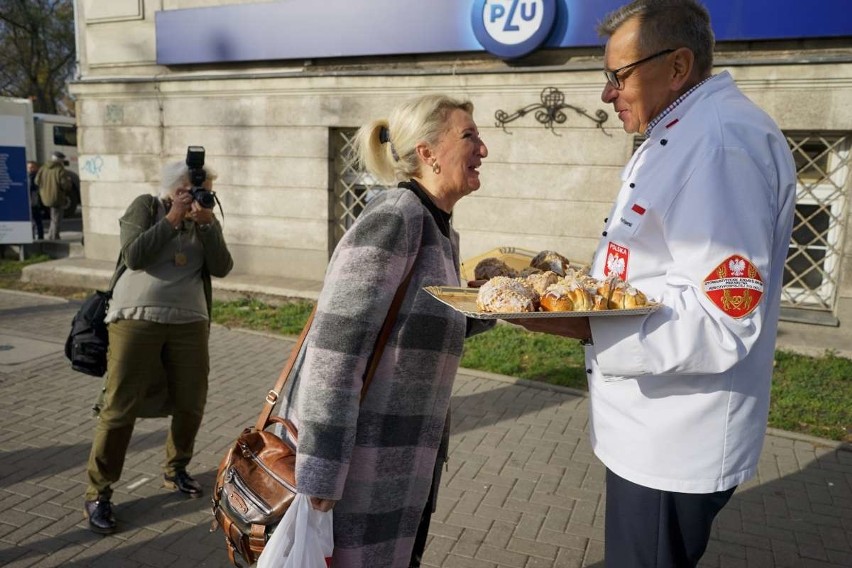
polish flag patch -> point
(616, 261)
(735, 286)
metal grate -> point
(352, 187)
(812, 270)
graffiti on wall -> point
(93, 166)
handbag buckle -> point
(272, 397)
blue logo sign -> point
(512, 28)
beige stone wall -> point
(266, 131)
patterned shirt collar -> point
(672, 106)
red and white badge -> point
(735, 286)
(616, 260)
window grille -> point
(812, 270)
(352, 187)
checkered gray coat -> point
(377, 459)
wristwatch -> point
(587, 341)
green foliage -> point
(511, 350)
(15, 266)
(287, 319)
(37, 48)
(812, 395)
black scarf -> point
(442, 218)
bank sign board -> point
(297, 29)
(15, 225)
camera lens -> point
(204, 198)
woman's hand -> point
(181, 205)
(323, 505)
(200, 215)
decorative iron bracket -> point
(549, 112)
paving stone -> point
(502, 556)
(523, 488)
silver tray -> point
(464, 300)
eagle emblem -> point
(737, 266)
(734, 286)
(617, 257)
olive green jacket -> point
(142, 237)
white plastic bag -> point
(303, 538)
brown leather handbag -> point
(256, 481)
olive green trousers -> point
(140, 352)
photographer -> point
(159, 320)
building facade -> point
(275, 90)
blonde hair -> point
(419, 120)
(176, 174)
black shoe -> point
(99, 513)
(182, 482)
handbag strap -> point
(120, 266)
(273, 395)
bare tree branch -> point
(37, 51)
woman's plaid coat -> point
(377, 457)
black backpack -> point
(86, 346)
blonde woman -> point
(374, 461)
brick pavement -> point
(522, 488)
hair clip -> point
(384, 138)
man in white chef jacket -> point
(680, 397)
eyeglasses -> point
(612, 76)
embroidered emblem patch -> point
(735, 286)
(616, 261)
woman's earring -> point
(436, 168)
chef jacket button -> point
(589, 371)
(604, 233)
(632, 184)
(664, 142)
(606, 219)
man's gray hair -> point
(668, 24)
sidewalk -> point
(523, 488)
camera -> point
(197, 176)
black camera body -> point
(197, 177)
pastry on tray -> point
(488, 268)
(506, 295)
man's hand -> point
(576, 328)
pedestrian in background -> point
(680, 397)
(35, 200)
(159, 325)
(54, 186)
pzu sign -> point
(512, 28)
